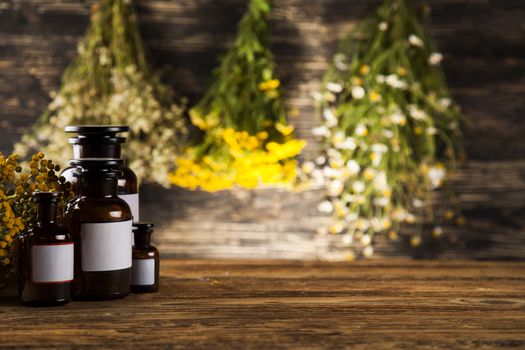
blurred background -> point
(483, 43)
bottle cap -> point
(108, 130)
(45, 196)
(143, 226)
(96, 139)
(100, 167)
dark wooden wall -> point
(484, 45)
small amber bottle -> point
(101, 141)
(46, 257)
(100, 224)
(145, 271)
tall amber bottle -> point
(46, 257)
(101, 141)
(100, 223)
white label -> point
(105, 246)
(133, 202)
(53, 263)
(143, 272)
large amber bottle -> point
(100, 223)
(46, 257)
(101, 141)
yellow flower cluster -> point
(16, 207)
(239, 159)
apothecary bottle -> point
(101, 141)
(46, 257)
(100, 223)
(145, 270)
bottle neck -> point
(97, 186)
(142, 239)
(46, 213)
(99, 150)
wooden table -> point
(281, 304)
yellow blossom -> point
(269, 85)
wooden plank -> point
(285, 304)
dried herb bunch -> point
(246, 141)
(390, 129)
(17, 210)
(110, 83)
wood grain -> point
(395, 304)
(483, 42)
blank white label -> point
(143, 272)
(105, 246)
(133, 202)
(53, 263)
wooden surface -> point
(261, 304)
(483, 42)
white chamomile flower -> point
(381, 201)
(380, 182)
(347, 239)
(445, 102)
(383, 26)
(415, 40)
(335, 188)
(436, 174)
(435, 58)
(334, 87)
(320, 160)
(307, 167)
(352, 216)
(379, 148)
(380, 79)
(398, 118)
(387, 133)
(325, 207)
(417, 203)
(394, 81)
(358, 186)
(347, 144)
(361, 130)
(330, 117)
(340, 62)
(353, 167)
(321, 131)
(416, 113)
(358, 92)
(331, 173)
(368, 251)
(316, 96)
(431, 130)
(366, 239)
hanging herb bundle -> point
(246, 139)
(17, 210)
(391, 132)
(110, 83)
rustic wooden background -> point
(484, 45)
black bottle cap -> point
(110, 130)
(100, 167)
(46, 197)
(143, 226)
(96, 139)
(142, 232)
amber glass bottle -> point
(46, 257)
(101, 141)
(100, 223)
(145, 271)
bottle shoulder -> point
(94, 209)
